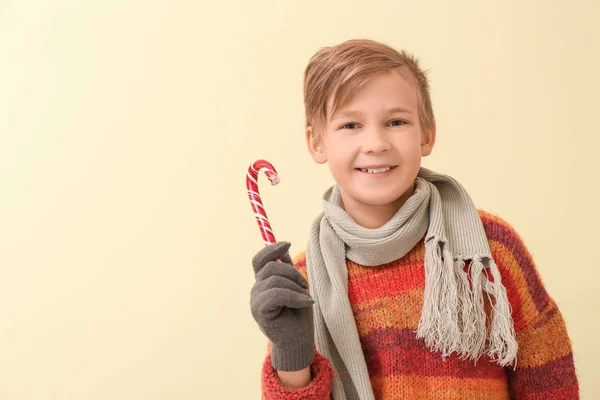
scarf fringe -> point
(453, 319)
(503, 345)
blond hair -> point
(341, 70)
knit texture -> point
(458, 266)
(386, 303)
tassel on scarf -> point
(453, 319)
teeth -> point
(376, 171)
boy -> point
(414, 293)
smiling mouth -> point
(376, 170)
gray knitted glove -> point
(282, 308)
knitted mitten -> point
(282, 307)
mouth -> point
(377, 169)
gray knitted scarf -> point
(453, 318)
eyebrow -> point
(351, 113)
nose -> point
(376, 140)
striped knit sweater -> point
(387, 303)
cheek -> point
(341, 166)
(410, 146)
(338, 165)
(411, 140)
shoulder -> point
(505, 242)
(517, 268)
(498, 229)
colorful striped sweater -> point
(387, 303)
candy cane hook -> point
(254, 195)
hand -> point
(282, 307)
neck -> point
(374, 216)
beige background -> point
(126, 129)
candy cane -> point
(254, 195)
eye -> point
(350, 125)
(397, 122)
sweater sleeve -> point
(319, 387)
(544, 366)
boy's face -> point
(374, 142)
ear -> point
(427, 141)
(315, 148)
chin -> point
(382, 199)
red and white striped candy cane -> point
(254, 195)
